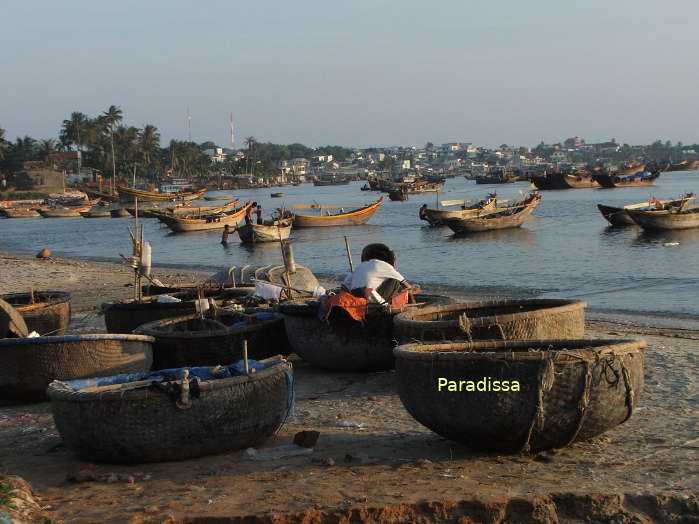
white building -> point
(216, 154)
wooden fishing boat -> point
(342, 343)
(64, 212)
(499, 178)
(355, 217)
(231, 217)
(566, 390)
(498, 218)
(186, 211)
(126, 315)
(19, 212)
(128, 194)
(27, 365)
(96, 212)
(684, 165)
(273, 232)
(559, 180)
(437, 217)
(637, 179)
(398, 194)
(129, 419)
(494, 319)
(119, 213)
(193, 340)
(666, 220)
(617, 216)
(46, 312)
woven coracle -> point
(127, 315)
(344, 344)
(47, 314)
(569, 390)
(27, 365)
(494, 320)
(191, 340)
(148, 424)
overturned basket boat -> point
(567, 390)
(344, 344)
(496, 319)
(127, 315)
(27, 365)
(129, 419)
(191, 340)
(46, 312)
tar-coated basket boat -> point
(127, 315)
(165, 416)
(493, 319)
(46, 312)
(343, 344)
(27, 365)
(515, 396)
(191, 340)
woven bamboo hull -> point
(140, 426)
(613, 180)
(254, 233)
(494, 320)
(50, 319)
(570, 390)
(616, 216)
(665, 220)
(214, 344)
(352, 218)
(27, 365)
(342, 344)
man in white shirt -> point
(376, 277)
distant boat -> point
(399, 194)
(254, 233)
(331, 180)
(277, 195)
(64, 212)
(618, 216)
(354, 217)
(19, 212)
(96, 212)
(684, 165)
(504, 218)
(130, 194)
(232, 217)
(620, 179)
(559, 180)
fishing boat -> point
(274, 231)
(19, 212)
(437, 217)
(618, 216)
(188, 211)
(127, 194)
(560, 180)
(398, 194)
(503, 218)
(331, 180)
(666, 220)
(566, 390)
(119, 213)
(96, 212)
(64, 212)
(277, 195)
(684, 165)
(152, 417)
(637, 179)
(354, 217)
(231, 217)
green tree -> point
(148, 145)
(111, 117)
(46, 149)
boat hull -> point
(127, 194)
(491, 222)
(438, 217)
(182, 225)
(255, 233)
(20, 213)
(612, 180)
(665, 220)
(356, 217)
(616, 216)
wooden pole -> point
(349, 254)
(246, 368)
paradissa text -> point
(484, 384)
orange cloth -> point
(355, 306)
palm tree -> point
(111, 117)
(47, 148)
(75, 130)
(148, 143)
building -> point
(216, 154)
(573, 143)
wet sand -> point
(645, 469)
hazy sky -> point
(357, 72)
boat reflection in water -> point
(670, 238)
(520, 236)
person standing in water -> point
(224, 235)
(259, 214)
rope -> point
(583, 402)
(465, 325)
(629, 391)
(539, 414)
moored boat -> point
(151, 417)
(498, 218)
(666, 220)
(277, 195)
(521, 396)
(119, 213)
(561, 180)
(64, 212)
(19, 212)
(637, 179)
(354, 217)
(276, 231)
(96, 212)
(231, 217)
(127, 194)
(398, 194)
(437, 217)
(618, 216)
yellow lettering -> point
(515, 385)
(452, 385)
(441, 382)
(470, 385)
(496, 385)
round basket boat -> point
(494, 320)
(191, 340)
(566, 390)
(46, 312)
(129, 419)
(127, 315)
(344, 344)
(27, 365)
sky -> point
(357, 73)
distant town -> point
(100, 150)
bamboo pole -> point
(349, 254)
(246, 367)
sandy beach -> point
(391, 469)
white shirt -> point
(371, 274)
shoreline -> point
(191, 273)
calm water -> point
(565, 250)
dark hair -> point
(378, 252)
